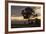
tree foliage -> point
(27, 12)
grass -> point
(24, 25)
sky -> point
(16, 10)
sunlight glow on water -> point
(21, 18)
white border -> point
(23, 29)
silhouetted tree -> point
(27, 12)
(37, 22)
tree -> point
(27, 12)
(37, 22)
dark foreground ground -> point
(23, 25)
